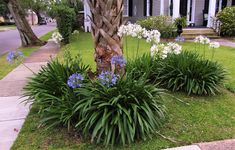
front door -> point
(186, 7)
(183, 8)
(205, 12)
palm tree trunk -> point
(28, 38)
(106, 18)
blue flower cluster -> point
(108, 78)
(75, 80)
(12, 56)
(118, 60)
(179, 39)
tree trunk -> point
(106, 18)
(28, 38)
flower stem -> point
(28, 68)
(138, 46)
(204, 51)
(213, 53)
(126, 47)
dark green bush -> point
(181, 21)
(50, 93)
(6, 23)
(190, 73)
(129, 111)
(65, 16)
(227, 18)
(163, 24)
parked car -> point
(42, 22)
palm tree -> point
(26, 33)
(106, 18)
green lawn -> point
(204, 119)
(7, 27)
(5, 67)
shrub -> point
(6, 23)
(163, 24)
(227, 18)
(190, 73)
(50, 93)
(65, 17)
(181, 21)
(120, 114)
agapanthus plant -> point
(202, 40)
(57, 37)
(173, 48)
(152, 36)
(136, 31)
(156, 50)
(162, 50)
(75, 80)
(13, 57)
(118, 60)
(108, 78)
(179, 39)
(213, 46)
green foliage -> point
(190, 73)
(227, 18)
(181, 21)
(163, 24)
(6, 23)
(129, 111)
(65, 17)
(3, 9)
(50, 94)
(142, 66)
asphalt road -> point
(10, 40)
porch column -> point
(148, 8)
(176, 9)
(211, 12)
(87, 12)
(162, 7)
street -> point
(10, 40)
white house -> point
(198, 12)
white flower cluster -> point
(156, 49)
(202, 40)
(75, 32)
(135, 30)
(214, 45)
(173, 48)
(152, 36)
(56, 37)
(163, 50)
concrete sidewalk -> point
(215, 145)
(12, 111)
(225, 42)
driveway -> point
(10, 40)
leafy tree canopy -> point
(3, 9)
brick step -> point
(190, 37)
(198, 31)
(197, 34)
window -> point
(126, 8)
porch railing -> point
(216, 25)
